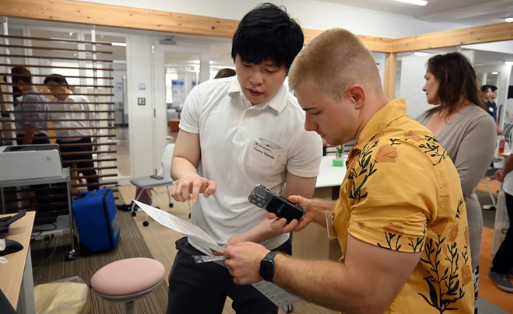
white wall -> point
(413, 70)
(502, 46)
(310, 13)
(380, 61)
(139, 56)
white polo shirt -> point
(241, 146)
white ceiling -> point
(466, 12)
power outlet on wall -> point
(141, 101)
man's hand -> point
(294, 225)
(189, 187)
(243, 262)
(499, 175)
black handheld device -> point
(276, 204)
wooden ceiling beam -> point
(457, 37)
(142, 19)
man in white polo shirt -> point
(235, 133)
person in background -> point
(225, 73)
(236, 133)
(493, 99)
(32, 100)
(502, 264)
(77, 109)
(400, 218)
(459, 122)
(491, 106)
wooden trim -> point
(60, 137)
(87, 86)
(54, 67)
(56, 49)
(61, 103)
(93, 177)
(86, 145)
(390, 75)
(57, 120)
(58, 111)
(141, 19)
(70, 162)
(61, 129)
(458, 37)
(153, 20)
(61, 40)
(54, 58)
(88, 153)
(67, 76)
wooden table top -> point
(11, 273)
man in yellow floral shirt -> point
(400, 218)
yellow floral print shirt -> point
(403, 193)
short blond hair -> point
(332, 61)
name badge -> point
(264, 152)
(490, 109)
(330, 219)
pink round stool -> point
(128, 280)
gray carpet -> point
(488, 308)
(131, 244)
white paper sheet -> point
(274, 293)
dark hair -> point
(457, 79)
(56, 78)
(21, 74)
(485, 88)
(225, 73)
(492, 87)
(267, 33)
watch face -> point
(267, 267)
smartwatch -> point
(267, 266)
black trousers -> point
(503, 260)
(41, 190)
(35, 141)
(203, 288)
(88, 150)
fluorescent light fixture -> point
(70, 34)
(509, 19)
(420, 54)
(211, 62)
(509, 62)
(119, 44)
(417, 2)
(495, 73)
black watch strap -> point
(267, 266)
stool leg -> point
(131, 308)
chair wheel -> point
(288, 308)
(134, 214)
(145, 223)
(171, 205)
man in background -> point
(225, 73)
(34, 121)
(77, 111)
(489, 96)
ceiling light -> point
(509, 62)
(509, 19)
(417, 2)
(71, 33)
(119, 44)
(211, 62)
(420, 54)
(495, 73)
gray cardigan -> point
(470, 141)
